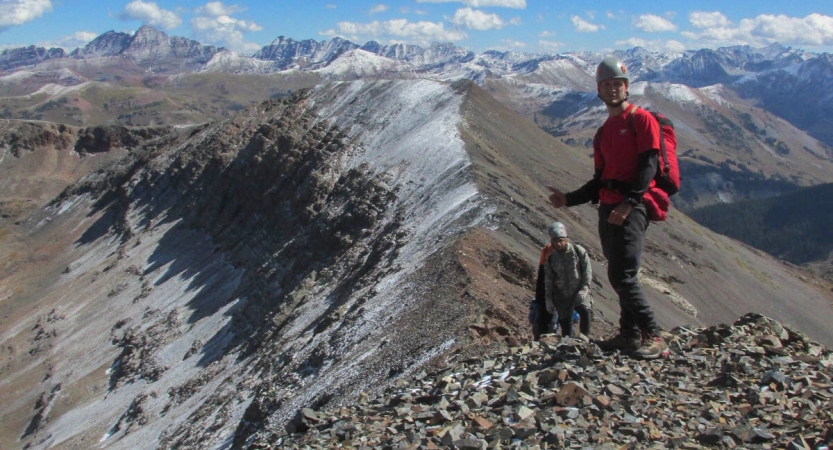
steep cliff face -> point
(160, 53)
(14, 58)
(220, 278)
(110, 43)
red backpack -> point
(668, 172)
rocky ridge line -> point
(754, 384)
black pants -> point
(622, 246)
(543, 319)
(584, 315)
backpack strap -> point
(580, 251)
(597, 138)
(663, 151)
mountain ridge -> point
(310, 248)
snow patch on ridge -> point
(715, 93)
(358, 62)
(410, 133)
(237, 63)
(200, 328)
(56, 89)
(407, 132)
(677, 93)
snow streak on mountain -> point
(351, 189)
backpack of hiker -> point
(667, 178)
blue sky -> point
(520, 25)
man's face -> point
(559, 244)
(614, 91)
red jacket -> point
(617, 151)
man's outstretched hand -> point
(557, 198)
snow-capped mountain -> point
(110, 43)
(700, 68)
(553, 90)
(358, 63)
(288, 53)
(11, 59)
(148, 47)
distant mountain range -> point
(752, 122)
(774, 77)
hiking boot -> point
(653, 347)
(624, 342)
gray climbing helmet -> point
(557, 230)
(611, 67)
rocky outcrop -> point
(153, 48)
(106, 138)
(21, 136)
(752, 384)
(14, 58)
(110, 43)
(307, 54)
(148, 47)
(44, 158)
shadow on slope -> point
(259, 192)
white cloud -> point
(68, 43)
(477, 20)
(618, 15)
(378, 8)
(218, 9)
(516, 4)
(550, 46)
(331, 6)
(511, 43)
(702, 19)
(150, 14)
(815, 29)
(652, 23)
(583, 26)
(393, 31)
(655, 45)
(715, 29)
(215, 25)
(546, 33)
(18, 12)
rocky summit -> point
(752, 384)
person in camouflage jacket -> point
(564, 276)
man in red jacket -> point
(625, 164)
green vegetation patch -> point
(794, 227)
